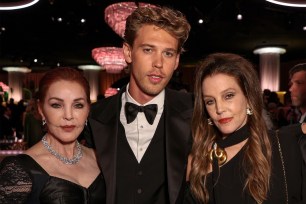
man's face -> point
(297, 88)
(153, 58)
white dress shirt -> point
(139, 133)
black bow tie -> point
(131, 111)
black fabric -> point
(104, 123)
(131, 111)
(134, 180)
(302, 143)
(35, 186)
(232, 177)
(234, 138)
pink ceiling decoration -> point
(4, 87)
(110, 92)
(110, 58)
(115, 14)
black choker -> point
(218, 149)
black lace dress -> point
(23, 180)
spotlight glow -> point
(17, 5)
(263, 50)
(282, 3)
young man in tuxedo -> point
(142, 135)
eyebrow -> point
(224, 91)
(153, 46)
(59, 99)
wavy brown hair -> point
(172, 21)
(257, 159)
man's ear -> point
(177, 61)
(127, 52)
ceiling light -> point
(110, 58)
(115, 14)
(296, 3)
(264, 50)
(17, 69)
(90, 67)
(239, 17)
(17, 5)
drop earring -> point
(44, 122)
(249, 111)
(209, 121)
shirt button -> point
(140, 149)
(139, 190)
(141, 126)
(139, 173)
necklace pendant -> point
(218, 153)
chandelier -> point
(4, 87)
(115, 15)
(110, 58)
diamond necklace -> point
(76, 158)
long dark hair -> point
(257, 159)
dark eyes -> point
(167, 54)
(209, 102)
(147, 50)
(55, 105)
(77, 105)
(227, 96)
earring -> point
(249, 111)
(209, 121)
(86, 122)
(44, 122)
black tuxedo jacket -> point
(302, 143)
(104, 121)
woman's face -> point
(65, 110)
(225, 102)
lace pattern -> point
(15, 182)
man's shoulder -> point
(179, 96)
(104, 104)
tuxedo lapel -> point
(178, 113)
(104, 125)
